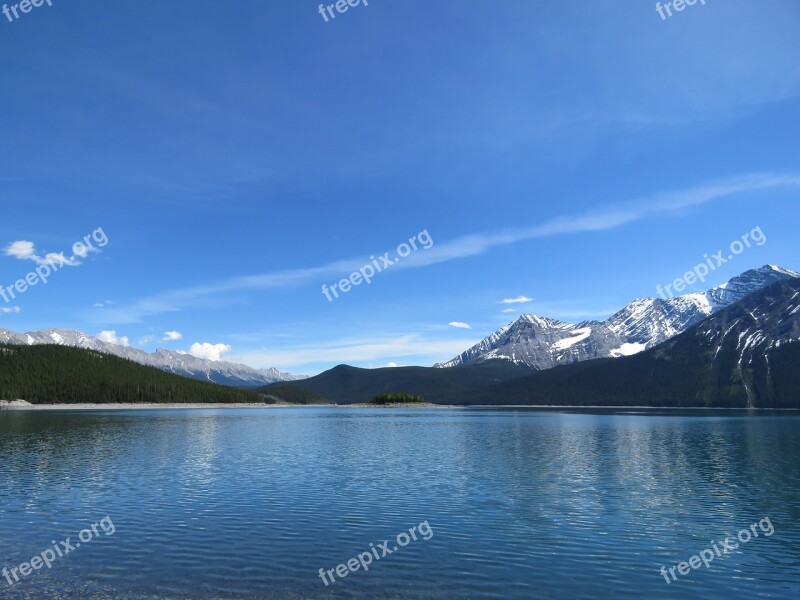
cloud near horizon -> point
(110, 337)
(209, 351)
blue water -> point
(244, 504)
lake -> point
(446, 503)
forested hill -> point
(62, 375)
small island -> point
(386, 399)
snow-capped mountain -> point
(543, 343)
(742, 356)
(180, 363)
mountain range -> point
(180, 363)
(542, 343)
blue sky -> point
(238, 156)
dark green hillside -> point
(62, 375)
(287, 392)
(351, 385)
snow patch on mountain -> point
(628, 349)
(580, 334)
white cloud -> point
(10, 310)
(392, 364)
(146, 340)
(460, 325)
(22, 250)
(25, 250)
(508, 310)
(110, 337)
(102, 304)
(172, 336)
(517, 300)
(209, 351)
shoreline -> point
(21, 405)
(16, 406)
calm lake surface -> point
(521, 503)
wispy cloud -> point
(517, 300)
(177, 300)
(460, 325)
(171, 336)
(608, 218)
(603, 219)
(509, 310)
(10, 310)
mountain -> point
(743, 356)
(63, 375)
(350, 385)
(222, 372)
(542, 343)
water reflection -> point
(524, 503)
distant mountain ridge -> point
(222, 372)
(543, 343)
